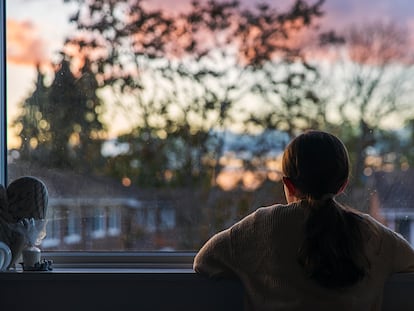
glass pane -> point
(155, 124)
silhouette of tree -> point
(292, 103)
(89, 129)
(408, 147)
(60, 124)
(375, 69)
(32, 125)
(62, 103)
(181, 78)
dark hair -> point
(331, 253)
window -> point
(73, 226)
(158, 130)
(114, 221)
(98, 223)
(53, 229)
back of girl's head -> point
(317, 164)
(332, 251)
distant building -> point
(96, 213)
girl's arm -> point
(403, 255)
(215, 259)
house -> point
(96, 213)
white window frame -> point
(73, 230)
(167, 218)
(114, 221)
(53, 229)
(98, 217)
(82, 259)
(3, 114)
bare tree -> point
(372, 73)
(177, 76)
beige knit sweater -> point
(261, 250)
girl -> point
(313, 253)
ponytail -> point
(332, 251)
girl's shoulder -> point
(279, 212)
(291, 208)
(385, 236)
(375, 224)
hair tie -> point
(323, 198)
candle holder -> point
(34, 231)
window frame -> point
(3, 95)
(121, 260)
(80, 260)
(53, 228)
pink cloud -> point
(24, 43)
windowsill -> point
(141, 280)
(81, 262)
(117, 289)
(117, 270)
(120, 261)
(146, 289)
(121, 271)
(114, 270)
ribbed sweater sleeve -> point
(403, 254)
(214, 259)
(396, 253)
(217, 257)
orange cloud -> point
(24, 45)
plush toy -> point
(23, 207)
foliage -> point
(60, 124)
(372, 69)
(32, 125)
(180, 77)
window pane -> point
(156, 124)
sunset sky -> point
(36, 30)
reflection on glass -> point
(156, 125)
